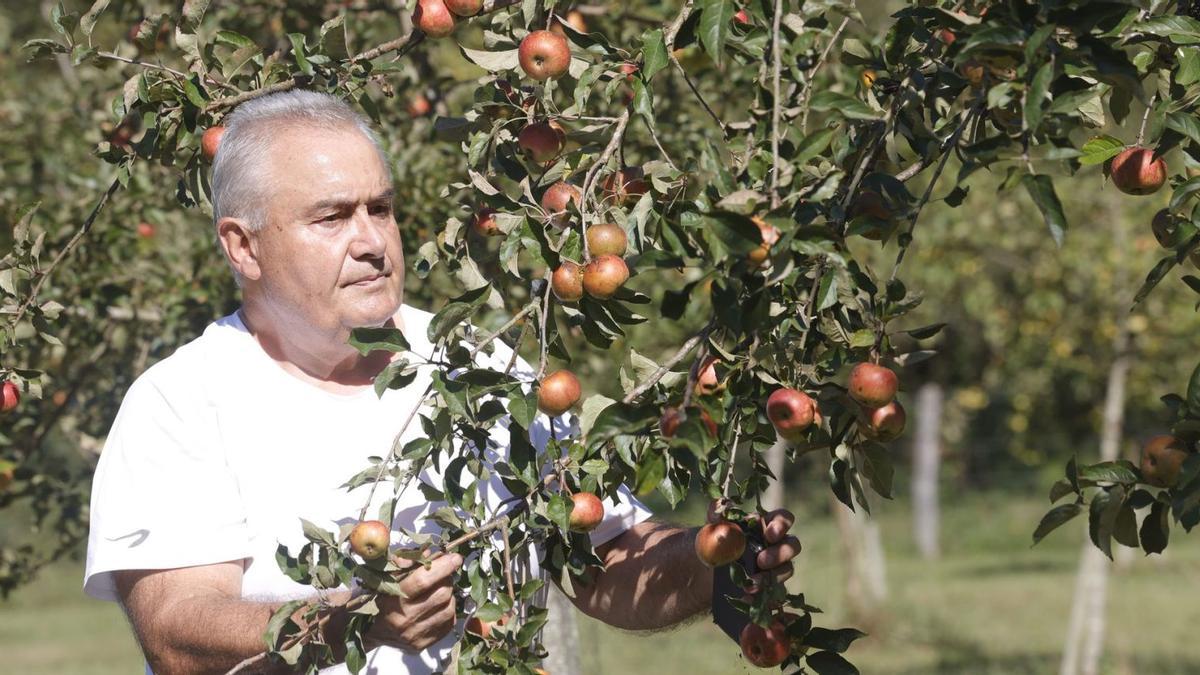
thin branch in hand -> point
(666, 367)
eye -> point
(380, 209)
(331, 218)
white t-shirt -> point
(217, 452)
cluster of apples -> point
(881, 417)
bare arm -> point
(653, 579)
(193, 620)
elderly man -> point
(219, 450)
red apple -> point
(720, 543)
(419, 106)
(946, 36)
(603, 275)
(433, 18)
(210, 141)
(741, 17)
(607, 239)
(464, 7)
(544, 55)
(485, 223)
(575, 20)
(477, 626)
(567, 282)
(558, 392)
(1137, 171)
(628, 69)
(370, 539)
(555, 200)
(706, 379)
(625, 185)
(145, 230)
(672, 417)
(770, 235)
(1162, 460)
(884, 423)
(791, 413)
(10, 396)
(765, 647)
(542, 142)
(872, 385)
(586, 512)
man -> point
(219, 450)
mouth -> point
(373, 279)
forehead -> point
(317, 161)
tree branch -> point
(666, 367)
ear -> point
(241, 247)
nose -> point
(368, 237)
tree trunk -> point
(776, 461)
(561, 636)
(864, 564)
(926, 458)
(1085, 633)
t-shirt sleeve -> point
(163, 495)
(622, 510)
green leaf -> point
(299, 53)
(1055, 518)
(1188, 71)
(827, 291)
(1100, 149)
(814, 144)
(280, 620)
(1041, 190)
(1120, 471)
(878, 470)
(493, 62)
(1154, 277)
(715, 21)
(654, 53)
(830, 663)
(1125, 530)
(315, 533)
(367, 340)
(833, 640)
(1035, 97)
(650, 473)
(1102, 517)
(397, 375)
(1180, 29)
(621, 418)
(88, 21)
(846, 106)
(193, 14)
(1156, 529)
(1193, 391)
(456, 312)
(1184, 123)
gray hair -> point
(239, 169)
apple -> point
(7, 472)
(770, 235)
(741, 17)
(419, 106)
(59, 398)
(10, 396)
(555, 200)
(433, 18)
(484, 222)
(210, 141)
(574, 20)
(567, 282)
(1162, 460)
(672, 417)
(867, 78)
(1162, 225)
(464, 7)
(870, 203)
(706, 379)
(477, 626)
(625, 185)
(1136, 171)
(606, 239)
(791, 413)
(544, 55)
(370, 539)
(603, 275)
(557, 392)
(145, 230)
(586, 512)
(765, 647)
(720, 543)
(542, 142)
(972, 71)
(884, 423)
(946, 36)
(628, 69)
(872, 385)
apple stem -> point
(1145, 118)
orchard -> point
(725, 176)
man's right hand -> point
(426, 612)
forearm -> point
(213, 635)
(652, 579)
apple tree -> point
(588, 169)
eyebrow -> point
(388, 195)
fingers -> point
(774, 556)
(777, 575)
(440, 572)
(776, 525)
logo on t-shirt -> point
(140, 534)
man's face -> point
(329, 252)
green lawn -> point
(990, 605)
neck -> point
(316, 354)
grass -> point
(990, 605)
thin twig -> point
(666, 367)
(737, 433)
(776, 103)
(232, 101)
(589, 181)
(544, 316)
(503, 329)
(158, 66)
(70, 246)
(387, 461)
(808, 80)
(947, 150)
(1145, 118)
(508, 579)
